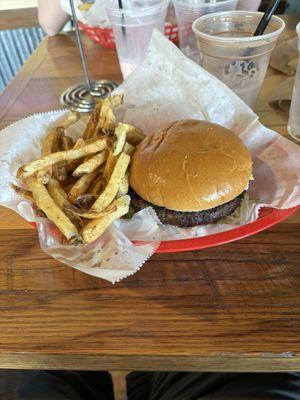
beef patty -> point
(186, 219)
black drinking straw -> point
(266, 17)
(122, 22)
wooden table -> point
(231, 308)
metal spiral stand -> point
(83, 97)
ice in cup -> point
(133, 25)
(229, 50)
(294, 120)
(187, 12)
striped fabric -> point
(15, 47)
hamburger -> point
(192, 173)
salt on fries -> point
(112, 187)
(90, 165)
(29, 169)
(90, 129)
(82, 187)
(96, 186)
(95, 228)
(67, 143)
(124, 185)
(48, 145)
(106, 117)
(109, 165)
(46, 203)
(60, 169)
(60, 197)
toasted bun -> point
(191, 166)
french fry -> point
(115, 101)
(109, 122)
(96, 186)
(112, 187)
(69, 120)
(106, 110)
(120, 132)
(109, 165)
(28, 196)
(28, 170)
(73, 164)
(69, 181)
(129, 149)
(47, 148)
(67, 143)
(97, 227)
(45, 202)
(59, 169)
(85, 201)
(22, 192)
(124, 186)
(87, 214)
(60, 197)
(68, 187)
(49, 142)
(81, 186)
(96, 112)
(90, 129)
(57, 192)
(90, 165)
(79, 143)
(134, 135)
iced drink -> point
(228, 49)
(187, 12)
(294, 120)
(133, 26)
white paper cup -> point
(187, 12)
(229, 50)
(133, 26)
(294, 120)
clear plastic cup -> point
(187, 11)
(294, 120)
(229, 50)
(133, 26)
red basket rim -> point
(263, 222)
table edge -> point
(216, 363)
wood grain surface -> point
(18, 18)
(231, 308)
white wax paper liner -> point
(165, 88)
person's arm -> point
(51, 16)
(251, 5)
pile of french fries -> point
(82, 187)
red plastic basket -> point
(105, 37)
(267, 218)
